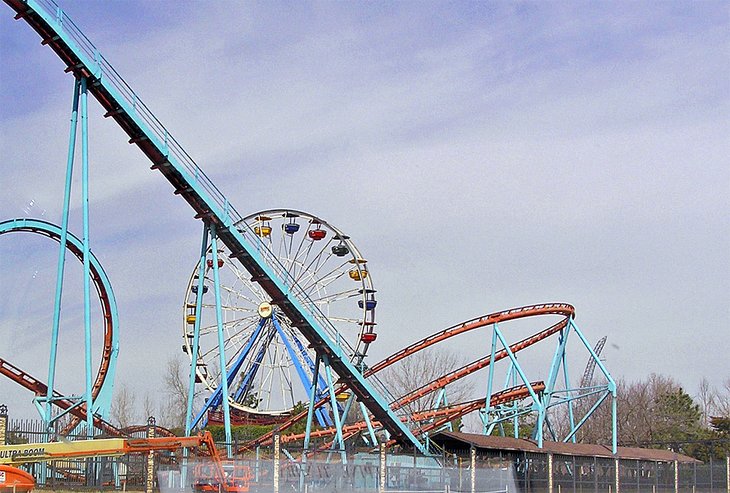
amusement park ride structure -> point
(289, 312)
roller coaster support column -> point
(310, 417)
(343, 418)
(558, 361)
(511, 381)
(335, 410)
(490, 379)
(47, 416)
(80, 95)
(371, 430)
(196, 349)
(611, 385)
(536, 404)
(221, 340)
(87, 265)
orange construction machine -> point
(218, 476)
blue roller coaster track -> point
(121, 103)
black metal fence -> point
(273, 470)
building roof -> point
(454, 440)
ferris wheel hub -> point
(265, 309)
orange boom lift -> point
(217, 477)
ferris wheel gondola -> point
(269, 363)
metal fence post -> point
(473, 469)
(383, 468)
(727, 473)
(550, 472)
(617, 474)
(676, 476)
(3, 424)
(277, 458)
(150, 480)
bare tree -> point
(174, 403)
(123, 410)
(148, 405)
(706, 398)
(175, 391)
(421, 368)
(722, 404)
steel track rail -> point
(564, 309)
(122, 104)
(445, 414)
(40, 389)
(100, 282)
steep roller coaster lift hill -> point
(121, 103)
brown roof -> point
(488, 442)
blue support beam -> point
(87, 282)
(189, 425)
(189, 181)
(48, 414)
(221, 339)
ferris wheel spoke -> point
(296, 262)
(254, 365)
(244, 278)
(288, 390)
(268, 380)
(209, 329)
(285, 251)
(232, 308)
(275, 369)
(321, 259)
(330, 298)
(347, 320)
(323, 282)
(311, 268)
(238, 294)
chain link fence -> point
(274, 470)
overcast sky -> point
(482, 155)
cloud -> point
(481, 156)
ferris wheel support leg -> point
(221, 341)
(322, 417)
(297, 365)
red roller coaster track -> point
(565, 310)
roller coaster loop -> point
(122, 104)
(102, 388)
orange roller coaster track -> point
(565, 310)
(435, 417)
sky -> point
(481, 155)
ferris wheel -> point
(269, 365)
